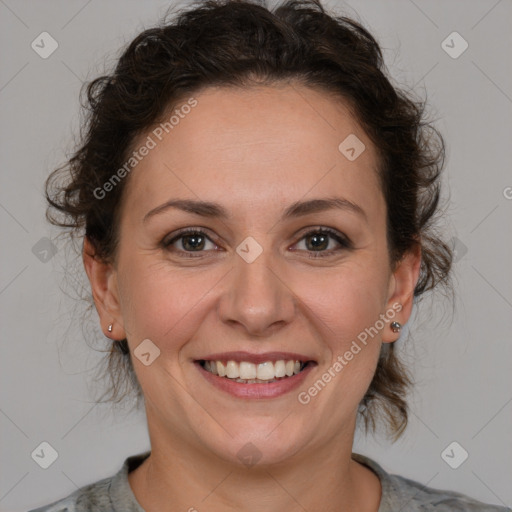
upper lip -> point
(256, 358)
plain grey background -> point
(463, 369)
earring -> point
(396, 326)
(110, 328)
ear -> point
(103, 279)
(401, 290)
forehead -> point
(261, 146)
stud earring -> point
(110, 328)
(396, 326)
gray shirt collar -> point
(123, 499)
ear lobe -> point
(103, 279)
(405, 277)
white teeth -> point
(247, 370)
(232, 370)
(253, 373)
(221, 369)
(265, 371)
(280, 368)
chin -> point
(256, 443)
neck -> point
(179, 476)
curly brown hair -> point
(239, 43)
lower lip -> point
(262, 390)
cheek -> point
(347, 300)
(163, 303)
(344, 307)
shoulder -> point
(112, 494)
(420, 497)
(400, 493)
(92, 497)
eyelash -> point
(342, 240)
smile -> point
(243, 379)
(250, 373)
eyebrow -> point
(297, 209)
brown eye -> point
(317, 242)
(193, 242)
(188, 241)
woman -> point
(258, 205)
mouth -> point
(265, 376)
(246, 372)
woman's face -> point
(250, 282)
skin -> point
(255, 151)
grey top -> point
(114, 494)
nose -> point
(256, 298)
